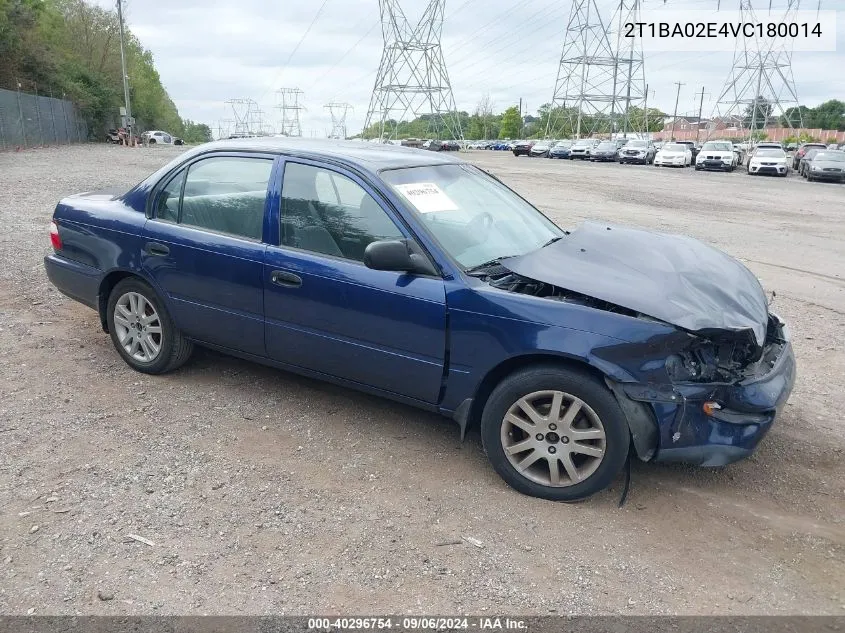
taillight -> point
(55, 240)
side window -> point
(167, 202)
(326, 212)
(227, 195)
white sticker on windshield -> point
(427, 197)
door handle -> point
(156, 250)
(285, 279)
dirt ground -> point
(262, 492)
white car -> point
(158, 137)
(541, 148)
(717, 155)
(768, 161)
(673, 155)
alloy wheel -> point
(553, 438)
(138, 327)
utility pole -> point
(123, 69)
(700, 109)
(645, 112)
(675, 115)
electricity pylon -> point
(338, 112)
(246, 114)
(761, 79)
(412, 77)
(290, 108)
(601, 75)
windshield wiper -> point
(488, 264)
(552, 241)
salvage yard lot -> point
(264, 492)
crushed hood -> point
(673, 278)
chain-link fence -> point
(30, 120)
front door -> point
(327, 312)
(204, 249)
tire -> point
(809, 177)
(152, 141)
(598, 414)
(174, 348)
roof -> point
(374, 156)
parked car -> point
(522, 148)
(691, 146)
(826, 165)
(805, 160)
(604, 152)
(451, 146)
(433, 145)
(541, 148)
(637, 151)
(157, 137)
(717, 155)
(561, 149)
(501, 146)
(113, 136)
(791, 147)
(479, 145)
(331, 259)
(802, 149)
(673, 155)
(581, 148)
(768, 160)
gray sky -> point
(208, 51)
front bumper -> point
(776, 170)
(669, 162)
(603, 158)
(579, 154)
(634, 158)
(827, 175)
(749, 408)
(713, 164)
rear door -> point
(204, 248)
(326, 311)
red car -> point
(802, 150)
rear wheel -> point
(142, 331)
(554, 433)
(152, 141)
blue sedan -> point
(418, 277)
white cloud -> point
(208, 51)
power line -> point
(296, 48)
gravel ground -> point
(262, 492)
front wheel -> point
(142, 331)
(554, 433)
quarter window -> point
(167, 203)
(326, 212)
(227, 195)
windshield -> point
(773, 153)
(719, 147)
(584, 143)
(563, 144)
(837, 157)
(674, 147)
(636, 144)
(475, 218)
(607, 146)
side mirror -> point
(396, 255)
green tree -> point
(829, 115)
(758, 113)
(511, 123)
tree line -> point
(553, 122)
(71, 49)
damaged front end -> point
(706, 382)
